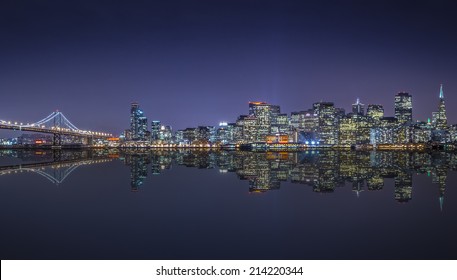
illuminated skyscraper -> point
(138, 123)
(263, 119)
(404, 107)
(439, 119)
(266, 114)
(375, 112)
(155, 130)
(358, 108)
(327, 123)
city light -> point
(265, 127)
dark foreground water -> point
(227, 205)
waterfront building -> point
(155, 130)
(347, 131)
(263, 119)
(384, 133)
(268, 120)
(205, 134)
(327, 123)
(34, 139)
(249, 130)
(226, 133)
(439, 119)
(166, 133)
(296, 120)
(138, 124)
(353, 129)
(189, 135)
(266, 114)
(453, 134)
(281, 124)
(179, 136)
(306, 121)
(421, 132)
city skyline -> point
(200, 62)
(322, 125)
(347, 109)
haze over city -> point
(192, 63)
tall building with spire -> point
(439, 119)
(358, 108)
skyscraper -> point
(375, 112)
(358, 108)
(439, 119)
(155, 130)
(404, 107)
(327, 123)
(138, 123)
(266, 116)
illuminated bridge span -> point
(55, 172)
(57, 124)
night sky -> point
(192, 63)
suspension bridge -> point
(57, 125)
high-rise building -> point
(347, 131)
(384, 132)
(179, 136)
(165, 133)
(439, 119)
(266, 114)
(263, 119)
(155, 130)
(375, 112)
(248, 129)
(353, 129)
(189, 135)
(403, 107)
(328, 123)
(358, 108)
(138, 123)
(306, 121)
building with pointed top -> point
(439, 119)
(358, 108)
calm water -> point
(227, 205)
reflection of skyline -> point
(323, 170)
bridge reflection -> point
(53, 165)
(324, 171)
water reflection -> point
(324, 171)
(54, 165)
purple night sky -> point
(192, 63)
